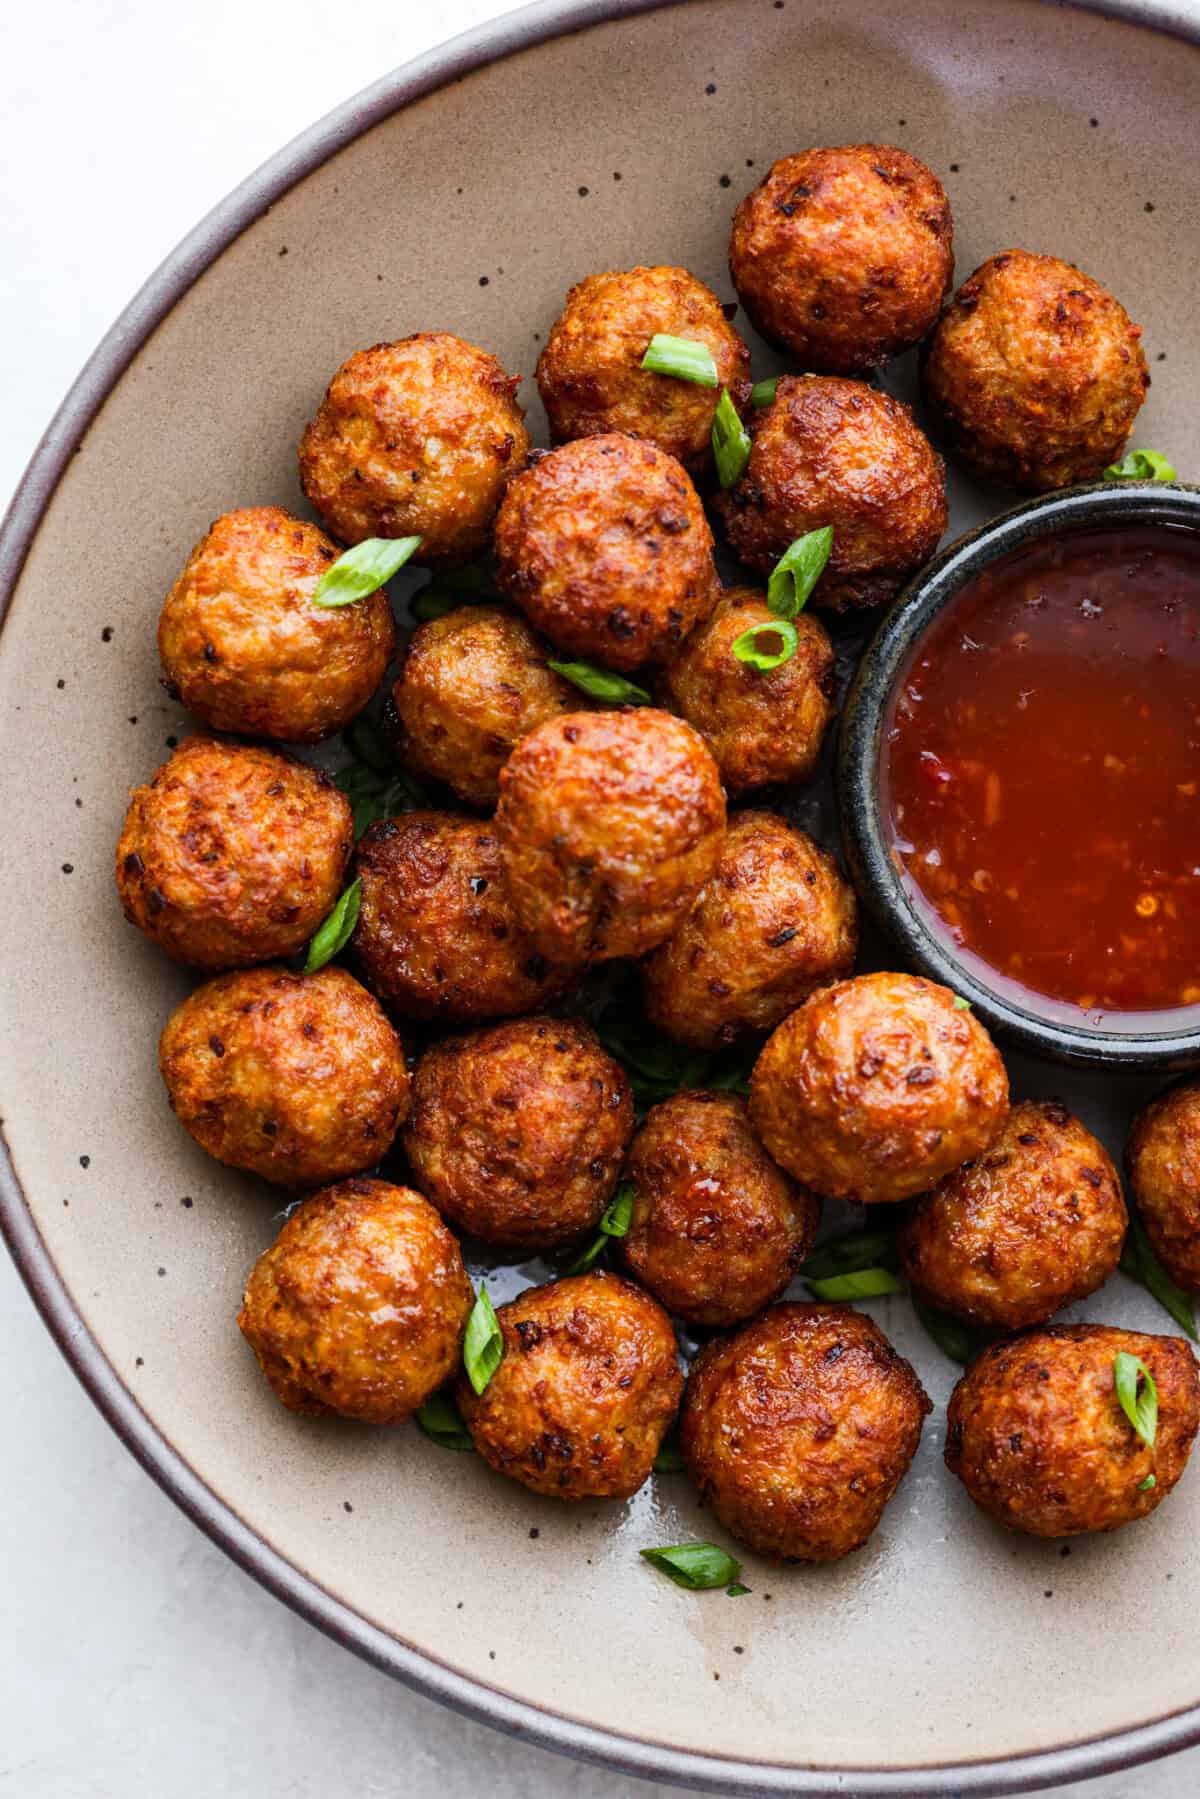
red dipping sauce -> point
(1041, 770)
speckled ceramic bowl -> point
(1161, 1041)
(467, 193)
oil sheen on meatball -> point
(843, 256)
(590, 373)
(609, 823)
(877, 1087)
(416, 438)
(774, 922)
(297, 1078)
(474, 682)
(842, 454)
(1164, 1173)
(799, 1428)
(232, 853)
(1035, 373)
(437, 935)
(762, 725)
(1038, 1437)
(245, 649)
(604, 545)
(1032, 1224)
(360, 1305)
(585, 1393)
(717, 1230)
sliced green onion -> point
(601, 683)
(763, 392)
(782, 632)
(363, 569)
(669, 1459)
(614, 1223)
(848, 1254)
(695, 1565)
(1139, 1263)
(373, 797)
(865, 1283)
(442, 1423)
(1141, 465)
(798, 571)
(1138, 1395)
(483, 1346)
(736, 1590)
(953, 1338)
(1144, 1486)
(681, 357)
(730, 441)
(335, 933)
(961, 1004)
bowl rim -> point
(474, 49)
(888, 894)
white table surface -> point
(135, 1659)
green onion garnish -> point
(1139, 1406)
(961, 1004)
(768, 645)
(865, 1283)
(1141, 465)
(681, 357)
(483, 1346)
(669, 1459)
(763, 392)
(730, 441)
(601, 683)
(798, 571)
(614, 1223)
(442, 1423)
(954, 1339)
(359, 571)
(335, 932)
(850, 1253)
(1139, 1263)
(695, 1565)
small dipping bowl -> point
(1102, 1033)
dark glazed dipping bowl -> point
(1168, 1039)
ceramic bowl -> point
(467, 193)
(1167, 1041)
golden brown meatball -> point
(1164, 1173)
(360, 1304)
(609, 825)
(603, 543)
(1038, 1437)
(839, 453)
(843, 256)
(762, 725)
(232, 854)
(1032, 1224)
(297, 1077)
(590, 373)
(775, 922)
(1035, 373)
(245, 649)
(587, 1388)
(799, 1428)
(717, 1230)
(474, 682)
(877, 1087)
(437, 935)
(517, 1132)
(416, 439)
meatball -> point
(1034, 1223)
(1039, 1439)
(360, 1304)
(588, 1386)
(877, 1087)
(844, 256)
(298, 1078)
(517, 1131)
(839, 453)
(775, 922)
(603, 543)
(474, 682)
(416, 439)
(232, 854)
(609, 824)
(799, 1428)
(245, 649)
(590, 373)
(1035, 373)
(717, 1230)
(762, 725)
(437, 936)
(1164, 1173)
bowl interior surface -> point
(472, 210)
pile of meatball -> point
(446, 1081)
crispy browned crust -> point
(416, 438)
(589, 1383)
(1164, 1172)
(1036, 1434)
(798, 1429)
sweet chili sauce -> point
(1041, 769)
